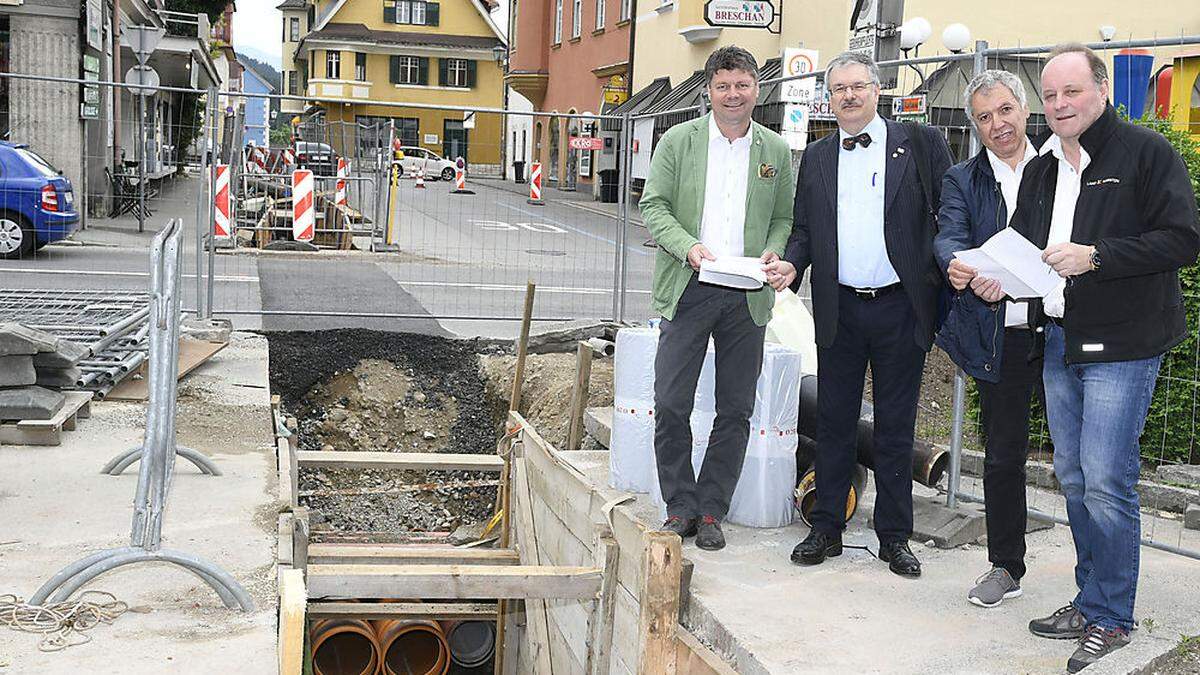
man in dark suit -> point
(863, 222)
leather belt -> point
(872, 293)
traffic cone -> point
(420, 180)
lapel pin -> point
(900, 150)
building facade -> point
(372, 57)
(257, 125)
(569, 57)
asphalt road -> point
(461, 268)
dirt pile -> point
(546, 395)
(360, 390)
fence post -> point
(201, 194)
(960, 379)
(211, 112)
(624, 167)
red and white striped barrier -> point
(535, 185)
(260, 159)
(420, 179)
(223, 201)
(303, 216)
(460, 178)
(288, 157)
(343, 172)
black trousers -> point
(1004, 422)
(723, 314)
(878, 332)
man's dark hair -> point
(729, 58)
(1095, 63)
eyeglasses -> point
(857, 88)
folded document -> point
(1015, 262)
(733, 272)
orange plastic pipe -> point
(412, 647)
(344, 647)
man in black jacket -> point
(1113, 207)
(864, 224)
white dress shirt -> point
(1016, 313)
(723, 223)
(1062, 219)
(862, 253)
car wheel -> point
(16, 238)
(447, 174)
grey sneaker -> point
(1095, 644)
(1066, 623)
(993, 588)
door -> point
(454, 141)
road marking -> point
(575, 229)
(507, 287)
(501, 226)
(111, 273)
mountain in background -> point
(260, 56)
(264, 70)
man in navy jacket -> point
(988, 337)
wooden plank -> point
(625, 631)
(300, 533)
(288, 493)
(694, 658)
(579, 395)
(447, 582)
(567, 636)
(600, 630)
(538, 633)
(409, 554)
(46, 432)
(661, 568)
(192, 353)
(338, 459)
(434, 611)
(514, 400)
(291, 622)
(283, 551)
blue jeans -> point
(1096, 412)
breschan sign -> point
(739, 13)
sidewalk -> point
(176, 199)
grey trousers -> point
(722, 313)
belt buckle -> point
(868, 293)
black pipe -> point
(929, 462)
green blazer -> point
(673, 203)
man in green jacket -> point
(719, 186)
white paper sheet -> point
(733, 272)
(1015, 262)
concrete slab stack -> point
(31, 360)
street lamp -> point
(1107, 33)
(956, 37)
(500, 54)
(914, 33)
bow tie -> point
(863, 139)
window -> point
(626, 9)
(333, 65)
(558, 12)
(414, 12)
(294, 28)
(456, 73)
(293, 83)
(600, 14)
(360, 67)
(409, 70)
(576, 18)
(408, 130)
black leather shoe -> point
(816, 547)
(708, 534)
(684, 527)
(900, 559)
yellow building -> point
(370, 53)
(297, 22)
(672, 38)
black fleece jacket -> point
(1137, 207)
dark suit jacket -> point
(909, 227)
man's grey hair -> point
(730, 58)
(850, 59)
(989, 79)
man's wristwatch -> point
(1095, 259)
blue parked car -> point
(37, 205)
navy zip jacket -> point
(972, 211)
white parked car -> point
(429, 163)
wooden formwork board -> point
(451, 582)
(77, 406)
(432, 611)
(342, 459)
(571, 517)
(408, 554)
